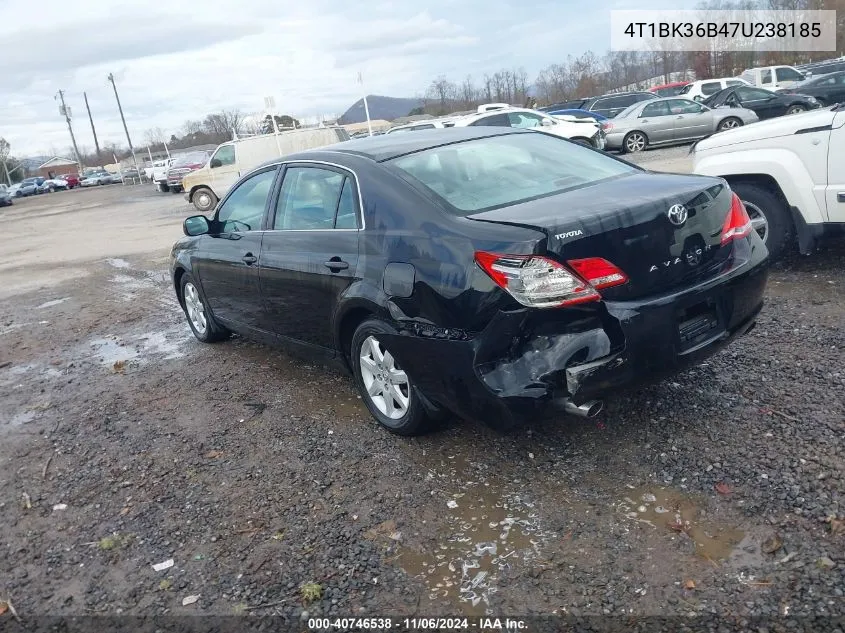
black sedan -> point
(765, 103)
(486, 272)
(826, 89)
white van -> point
(703, 88)
(773, 77)
(205, 186)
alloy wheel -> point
(386, 383)
(195, 308)
(729, 124)
(635, 142)
(758, 220)
(795, 109)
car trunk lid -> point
(662, 230)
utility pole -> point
(125, 129)
(65, 111)
(94, 131)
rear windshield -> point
(501, 171)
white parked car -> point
(584, 131)
(703, 88)
(788, 172)
(54, 184)
(773, 77)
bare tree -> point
(469, 94)
(444, 92)
(223, 123)
(154, 137)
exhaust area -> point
(589, 409)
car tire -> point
(581, 141)
(729, 123)
(403, 411)
(200, 319)
(162, 187)
(204, 199)
(634, 142)
(769, 214)
(796, 109)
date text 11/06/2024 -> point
(418, 624)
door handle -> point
(840, 197)
(249, 259)
(336, 264)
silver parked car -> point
(670, 120)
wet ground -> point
(126, 443)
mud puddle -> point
(163, 344)
(482, 533)
(677, 512)
(50, 304)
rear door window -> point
(498, 120)
(788, 74)
(308, 199)
(711, 87)
(766, 76)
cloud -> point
(182, 60)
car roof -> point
(388, 146)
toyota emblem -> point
(677, 214)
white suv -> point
(789, 173)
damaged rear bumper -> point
(525, 359)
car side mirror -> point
(215, 162)
(195, 225)
(547, 123)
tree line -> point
(590, 74)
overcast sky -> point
(181, 60)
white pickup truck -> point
(159, 175)
(789, 172)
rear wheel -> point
(201, 321)
(730, 123)
(204, 199)
(162, 187)
(769, 216)
(795, 109)
(634, 142)
(581, 141)
(386, 389)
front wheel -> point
(634, 142)
(386, 389)
(769, 216)
(204, 199)
(796, 109)
(729, 124)
(202, 323)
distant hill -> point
(386, 108)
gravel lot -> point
(125, 443)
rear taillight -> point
(540, 282)
(737, 223)
(607, 126)
(598, 272)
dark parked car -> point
(765, 103)
(826, 89)
(607, 105)
(486, 272)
